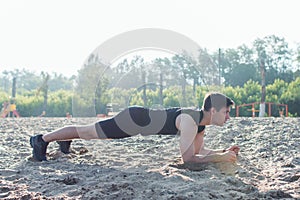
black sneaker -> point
(64, 146)
(39, 147)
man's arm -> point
(188, 130)
(200, 147)
(228, 156)
(204, 155)
(207, 151)
(192, 143)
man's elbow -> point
(195, 159)
(188, 158)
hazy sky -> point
(58, 35)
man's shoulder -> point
(195, 113)
(191, 111)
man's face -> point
(221, 116)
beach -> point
(150, 167)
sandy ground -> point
(150, 167)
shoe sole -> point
(31, 141)
(63, 145)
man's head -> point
(218, 105)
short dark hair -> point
(216, 100)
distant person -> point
(43, 114)
(189, 123)
(5, 109)
(68, 115)
(13, 110)
(281, 112)
(4, 105)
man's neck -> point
(206, 120)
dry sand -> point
(149, 167)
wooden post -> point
(263, 88)
(237, 111)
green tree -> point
(60, 103)
(129, 74)
(207, 68)
(181, 65)
(194, 69)
(91, 86)
(163, 66)
(44, 89)
(239, 66)
(276, 55)
(60, 82)
(28, 81)
(276, 90)
(291, 97)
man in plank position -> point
(189, 123)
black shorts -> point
(137, 120)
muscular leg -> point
(86, 132)
(40, 142)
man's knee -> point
(87, 132)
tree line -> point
(178, 80)
(61, 102)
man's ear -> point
(213, 110)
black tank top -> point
(172, 114)
(139, 120)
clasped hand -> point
(231, 153)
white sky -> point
(58, 35)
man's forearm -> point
(216, 157)
(211, 151)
